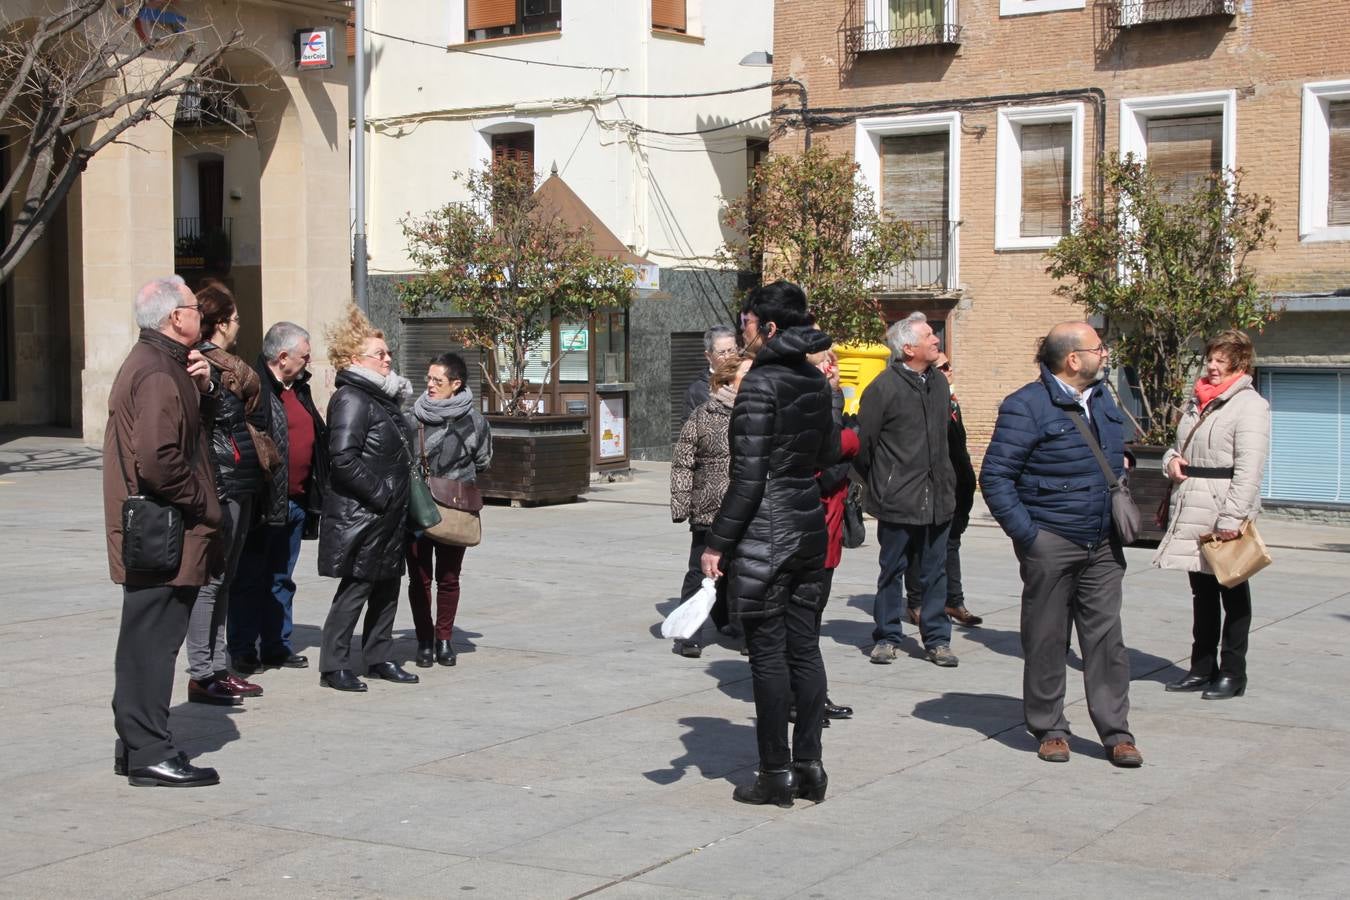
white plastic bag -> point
(686, 619)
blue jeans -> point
(924, 548)
(263, 590)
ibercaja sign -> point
(314, 48)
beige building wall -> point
(1264, 55)
(118, 229)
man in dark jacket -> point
(1044, 485)
(911, 486)
(719, 343)
(158, 443)
(771, 527)
(263, 594)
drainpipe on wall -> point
(359, 162)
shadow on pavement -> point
(201, 728)
(63, 459)
(714, 747)
(997, 717)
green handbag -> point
(422, 510)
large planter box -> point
(546, 459)
(1148, 485)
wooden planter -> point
(546, 459)
(1148, 484)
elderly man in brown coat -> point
(157, 445)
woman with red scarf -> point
(1216, 466)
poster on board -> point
(612, 425)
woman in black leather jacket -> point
(771, 526)
(239, 450)
(364, 511)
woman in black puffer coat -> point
(771, 526)
(364, 511)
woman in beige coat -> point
(1216, 468)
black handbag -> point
(855, 531)
(1124, 512)
(152, 536)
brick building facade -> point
(957, 110)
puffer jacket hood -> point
(1039, 472)
(1234, 435)
(364, 510)
(782, 434)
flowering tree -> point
(1167, 268)
(507, 260)
(809, 219)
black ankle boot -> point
(811, 779)
(426, 654)
(775, 786)
(1226, 687)
(1192, 682)
(445, 653)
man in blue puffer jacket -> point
(1043, 484)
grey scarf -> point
(435, 413)
(394, 386)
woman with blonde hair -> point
(361, 534)
(1216, 466)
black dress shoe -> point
(1192, 682)
(776, 786)
(341, 680)
(391, 671)
(286, 661)
(426, 654)
(173, 772)
(811, 779)
(1226, 687)
(246, 665)
(833, 711)
(445, 653)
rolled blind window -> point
(914, 176)
(1184, 151)
(490, 13)
(1338, 194)
(669, 14)
(1046, 156)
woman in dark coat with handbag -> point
(771, 526)
(366, 507)
(456, 441)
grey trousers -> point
(1062, 581)
(380, 598)
(206, 627)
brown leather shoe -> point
(1054, 750)
(1126, 755)
(962, 616)
(241, 686)
(216, 692)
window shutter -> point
(1184, 151)
(489, 13)
(687, 362)
(669, 14)
(914, 176)
(1046, 157)
(517, 146)
(1309, 454)
(425, 339)
(1338, 161)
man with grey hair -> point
(262, 598)
(719, 342)
(911, 487)
(157, 445)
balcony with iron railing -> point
(929, 270)
(1134, 13)
(872, 25)
(199, 245)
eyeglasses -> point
(438, 382)
(945, 367)
(1100, 349)
(234, 319)
(727, 353)
(379, 354)
(196, 306)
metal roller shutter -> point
(424, 339)
(687, 362)
(1309, 436)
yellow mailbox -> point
(858, 365)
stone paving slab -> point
(571, 753)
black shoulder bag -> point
(1124, 513)
(152, 531)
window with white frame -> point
(1039, 174)
(1183, 137)
(1324, 189)
(1027, 7)
(912, 164)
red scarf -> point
(1206, 392)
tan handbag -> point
(1233, 562)
(459, 503)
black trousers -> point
(1206, 597)
(380, 598)
(786, 668)
(693, 580)
(1062, 582)
(154, 623)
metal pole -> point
(359, 161)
